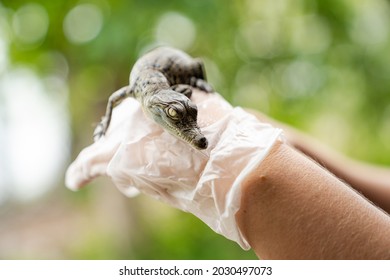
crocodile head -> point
(177, 114)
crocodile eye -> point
(172, 113)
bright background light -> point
(83, 23)
(176, 30)
(30, 23)
(34, 134)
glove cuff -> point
(241, 144)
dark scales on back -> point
(162, 82)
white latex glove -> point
(139, 155)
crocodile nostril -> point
(201, 142)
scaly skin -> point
(161, 81)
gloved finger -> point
(90, 163)
(94, 159)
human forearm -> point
(291, 208)
(371, 180)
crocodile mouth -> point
(196, 140)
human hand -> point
(138, 155)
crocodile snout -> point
(200, 142)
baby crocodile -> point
(161, 81)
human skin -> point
(292, 208)
(371, 180)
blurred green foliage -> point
(321, 66)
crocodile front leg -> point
(201, 84)
(183, 88)
(114, 100)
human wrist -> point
(252, 187)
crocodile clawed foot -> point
(202, 85)
(99, 132)
(183, 88)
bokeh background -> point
(321, 66)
